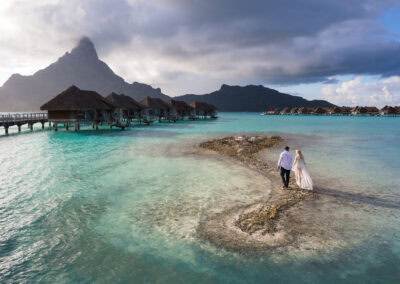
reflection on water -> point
(106, 205)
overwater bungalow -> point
(212, 109)
(78, 107)
(358, 110)
(201, 109)
(335, 111)
(274, 111)
(155, 108)
(319, 111)
(178, 110)
(294, 110)
(388, 111)
(125, 108)
(303, 110)
(372, 110)
(365, 111)
(346, 110)
(285, 110)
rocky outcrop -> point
(260, 225)
(242, 148)
(264, 219)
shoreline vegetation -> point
(258, 226)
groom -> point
(285, 165)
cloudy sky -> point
(345, 51)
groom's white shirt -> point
(285, 160)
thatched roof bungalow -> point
(76, 105)
(388, 110)
(304, 110)
(372, 110)
(285, 110)
(365, 111)
(319, 111)
(212, 109)
(178, 109)
(125, 107)
(201, 109)
(335, 111)
(346, 110)
(358, 110)
(154, 107)
(154, 103)
(273, 111)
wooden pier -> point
(74, 106)
(19, 119)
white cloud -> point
(357, 92)
(187, 46)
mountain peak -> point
(80, 67)
(85, 48)
(73, 88)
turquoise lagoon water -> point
(124, 206)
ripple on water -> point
(125, 205)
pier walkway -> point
(19, 119)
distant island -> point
(252, 98)
(83, 68)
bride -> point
(303, 178)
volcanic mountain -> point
(83, 68)
(80, 67)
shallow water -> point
(124, 205)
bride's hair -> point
(300, 154)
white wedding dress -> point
(303, 178)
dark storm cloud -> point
(268, 41)
(355, 41)
(364, 58)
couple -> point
(285, 164)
